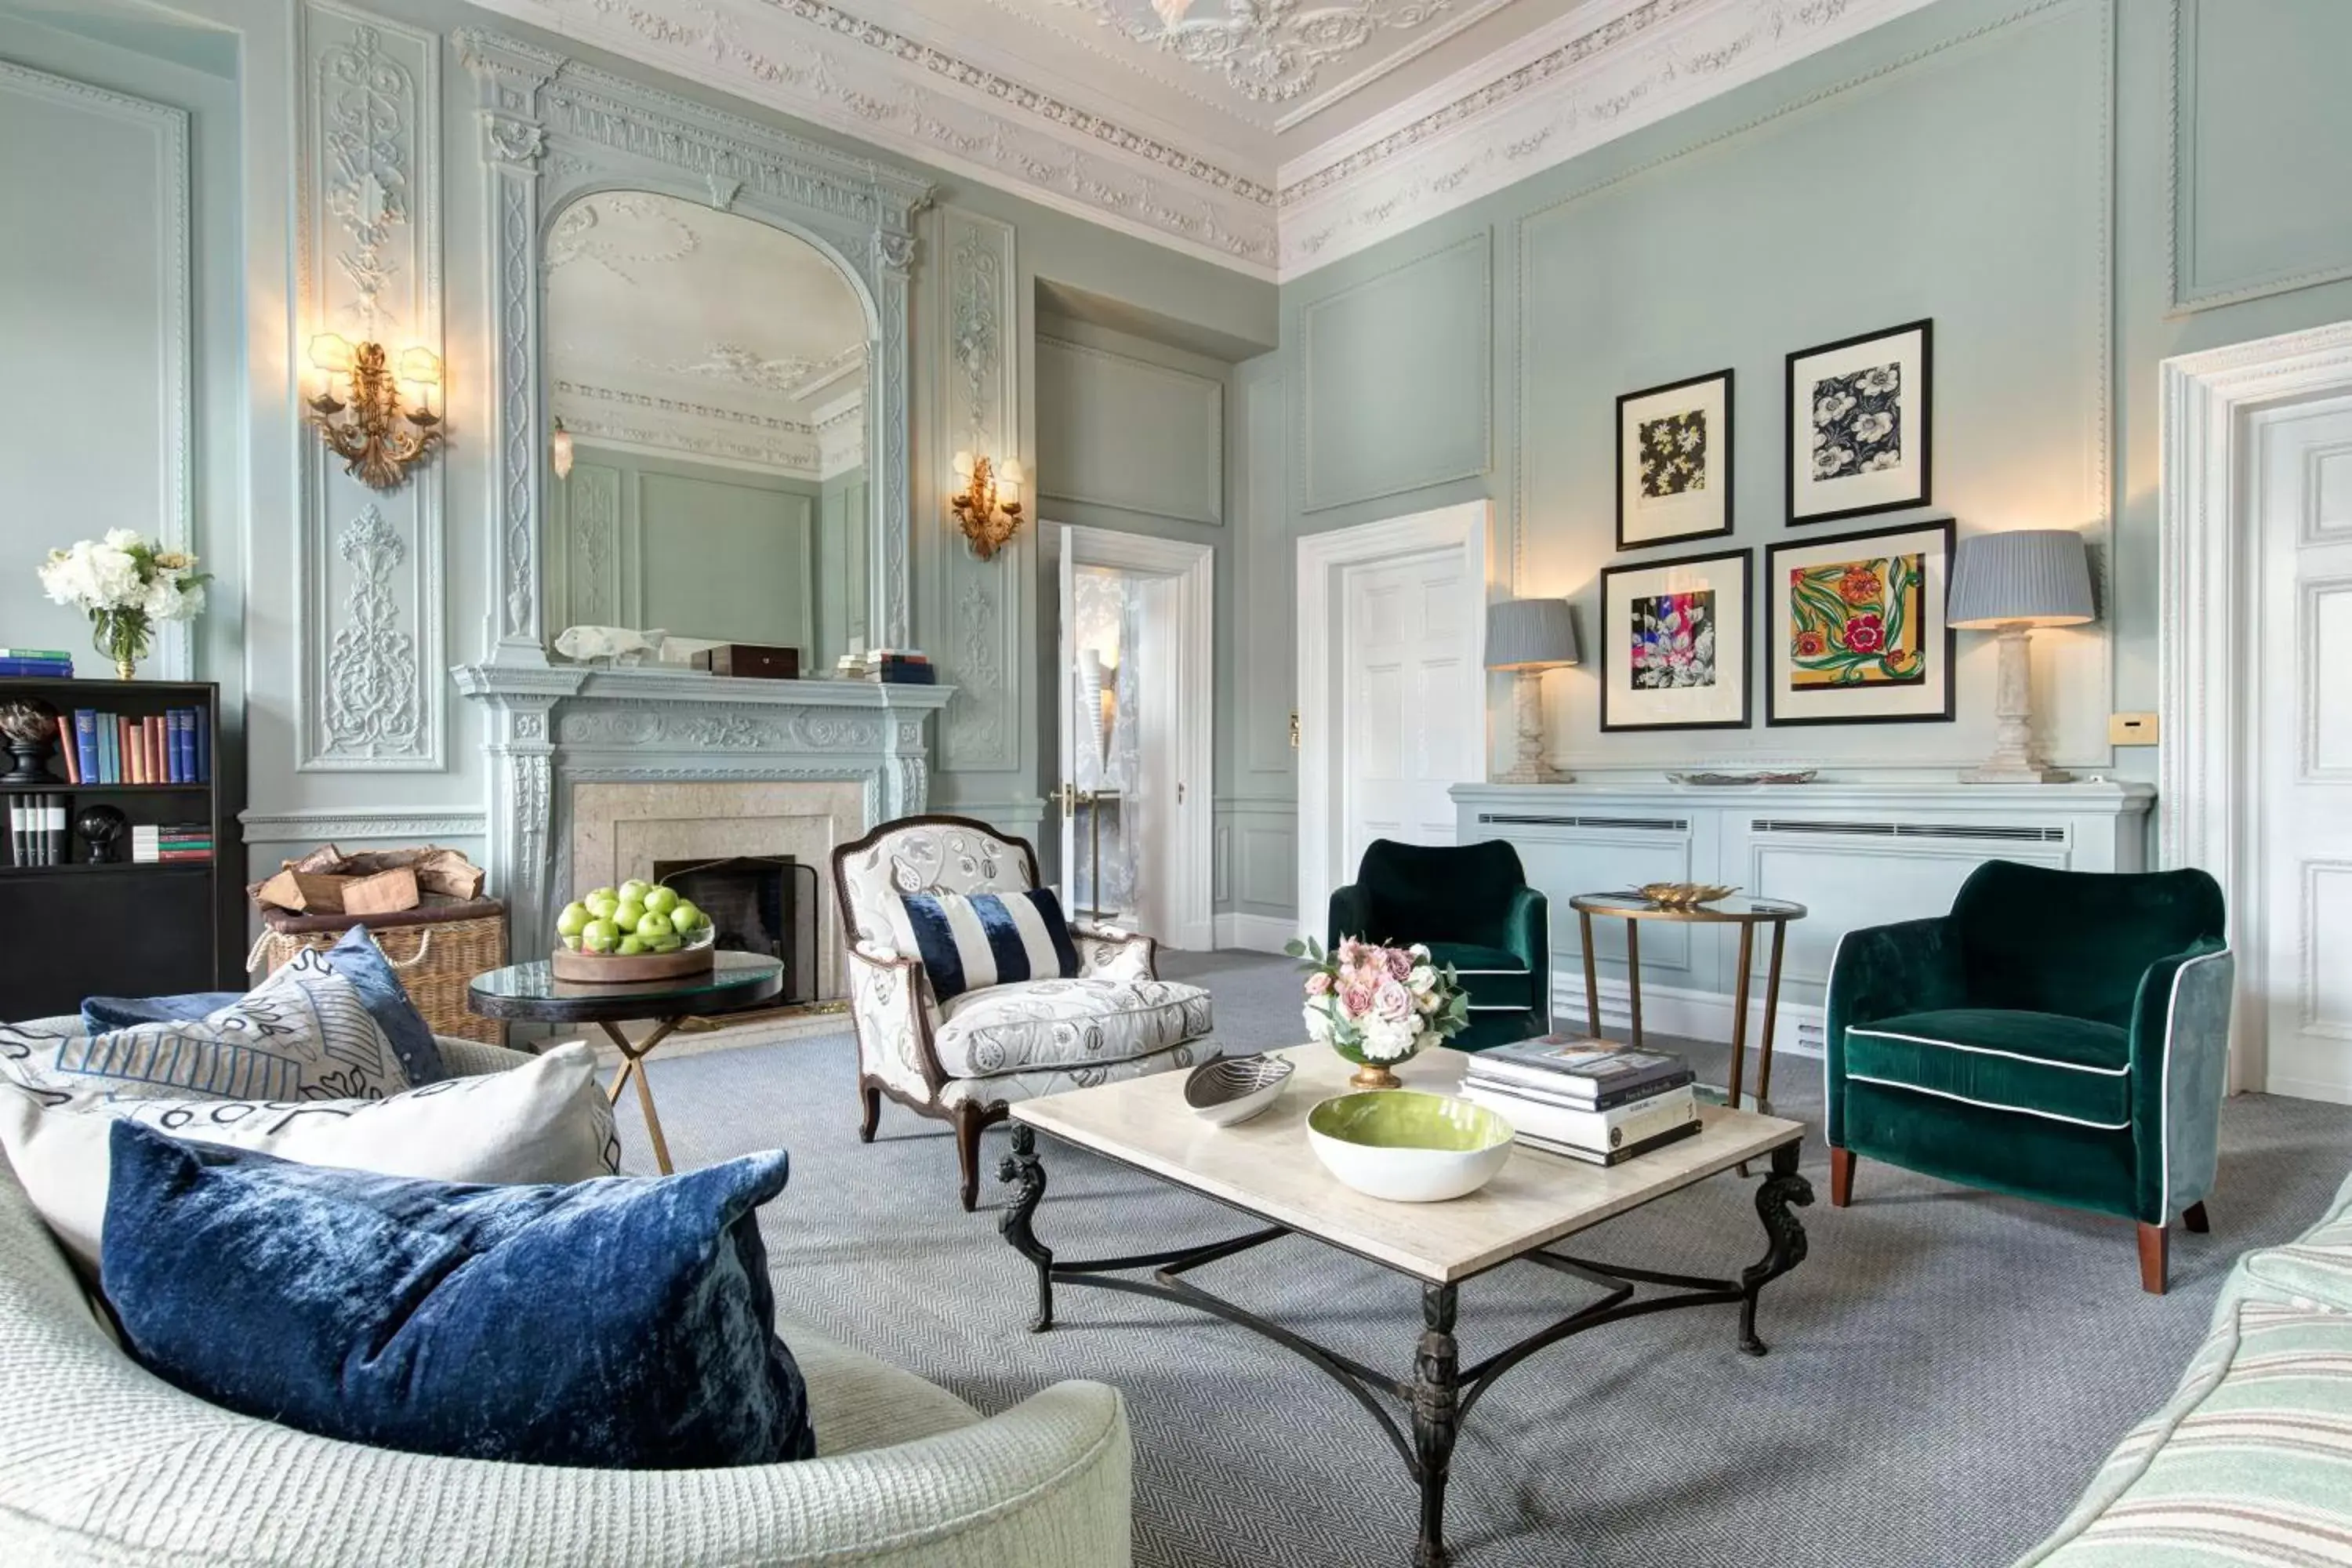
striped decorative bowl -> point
(1234, 1089)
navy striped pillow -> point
(970, 940)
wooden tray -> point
(635, 969)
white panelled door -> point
(1412, 697)
(2302, 603)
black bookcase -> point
(121, 928)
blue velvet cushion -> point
(356, 958)
(622, 1323)
(970, 941)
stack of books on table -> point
(171, 842)
(1588, 1099)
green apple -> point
(633, 891)
(629, 914)
(599, 936)
(595, 893)
(660, 900)
(631, 946)
(687, 918)
(667, 943)
(653, 927)
(571, 919)
(600, 906)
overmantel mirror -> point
(716, 311)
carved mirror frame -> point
(554, 130)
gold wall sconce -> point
(988, 508)
(367, 426)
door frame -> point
(1323, 559)
(2207, 500)
(1191, 568)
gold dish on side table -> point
(1683, 895)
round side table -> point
(1732, 910)
(530, 992)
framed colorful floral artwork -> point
(1673, 461)
(1860, 423)
(1857, 631)
(1675, 637)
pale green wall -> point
(2006, 171)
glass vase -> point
(121, 636)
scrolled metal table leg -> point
(1023, 1166)
(1774, 1196)
(1436, 1408)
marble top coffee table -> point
(1264, 1169)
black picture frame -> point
(1719, 468)
(1774, 648)
(1793, 457)
(1742, 645)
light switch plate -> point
(2131, 729)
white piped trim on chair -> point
(1989, 1104)
(1829, 1010)
(1521, 971)
(1987, 1051)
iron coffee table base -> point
(1441, 1391)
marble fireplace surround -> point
(552, 730)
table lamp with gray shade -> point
(1529, 636)
(2010, 584)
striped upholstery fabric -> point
(970, 941)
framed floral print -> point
(1675, 637)
(1860, 425)
(1673, 461)
(1857, 631)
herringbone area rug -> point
(1947, 1368)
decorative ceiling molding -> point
(1605, 69)
(819, 448)
(580, 234)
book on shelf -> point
(1598, 1132)
(1580, 1069)
(43, 668)
(1610, 1156)
(164, 844)
(36, 829)
(37, 654)
(173, 747)
(68, 758)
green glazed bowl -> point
(1409, 1147)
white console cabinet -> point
(1854, 855)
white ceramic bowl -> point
(1231, 1089)
(1409, 1147)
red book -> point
(135, 764)
(154, 728)
(67, 754)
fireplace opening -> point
(764, 904)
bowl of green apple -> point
(639, 931)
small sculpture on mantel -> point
(619, 647)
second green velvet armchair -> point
(1471, 903)
(2062, 1036)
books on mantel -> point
(1588, 1099)
(51, 663)
(173, 747)
(36, 829)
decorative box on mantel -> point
(549, 729)
(1853, 854)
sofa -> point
(2251, 1461)
(102, 1463)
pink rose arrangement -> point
(1376, 1005)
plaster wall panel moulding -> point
(174, 390)
(370, 607)
(328, 825)
(978, 389)
(1205, 398)
(861, 78)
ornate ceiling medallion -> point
(1269, 51)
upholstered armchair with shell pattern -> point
(2062, 1036)
(945, 1047)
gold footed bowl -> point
(1682, 895)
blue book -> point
(201, 730)
(45, 668)
(86, 743)
(187, 752)
(174, 734)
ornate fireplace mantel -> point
(550, 726)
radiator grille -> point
(2006, 833)
(1644, 824)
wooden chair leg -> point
(2193, 1218)
(1840, 1177)
(967, 1131)
(870, 1111)
(2153, 1248)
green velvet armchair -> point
(1471, 903)
(2062, 1036)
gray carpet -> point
(1947, 1368)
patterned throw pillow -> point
(968, 942)
(303, 1034)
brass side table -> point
(1732, 909)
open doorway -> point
(1135, 670)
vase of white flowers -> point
(1379, 1005)
(127, 587)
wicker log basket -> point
(437, 947)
